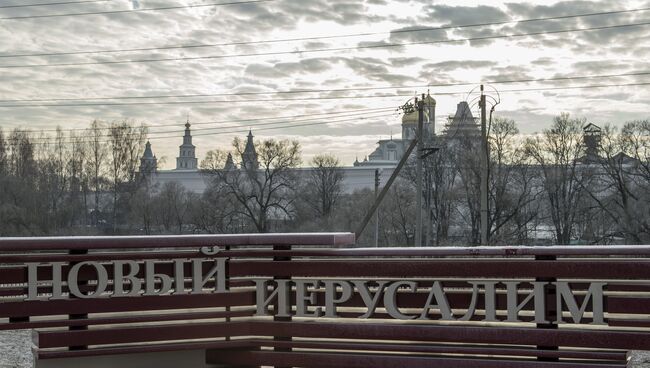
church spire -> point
(186, 159)
(249, 156)
(148, 161)
(230, 163)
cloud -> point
(598, 52)
(367, 67)
(512, 72)
(405, 61)
(600, 66)
(543, 61)
(451, 65)
(458, 15)
(263, 71)
(306, 66)
(583, 41)
(415, 33)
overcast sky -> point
(609, 51)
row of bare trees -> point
(59, 184)
(545, 188)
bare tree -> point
(323, 186)
(79, 185)
(217, 211)
(174, 203)
(126, 141)
(397, 214)
(557, 152)
(144, 209)
(513, 197)
(4, 162)
(621, 191)
(263, 191)
(96, 164)
(466, 151)
(19, 211)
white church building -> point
(359, 176)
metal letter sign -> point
(132, 279)
(437, 305)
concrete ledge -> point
(638, 359)
(16, 349)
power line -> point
(505, 81)
(358, 47)
(334, 115)
(385, 115)
(324, 114)
(203, 102)
(338, 115)
(303, 99)
(243, 130)
(110, 12)
(443, 94)
(575, 87)
(51, 4)
(412, 30)
(297, 125)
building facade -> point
(359, 176)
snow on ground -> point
(639, 359)
(16, 349)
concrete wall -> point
(355, 178)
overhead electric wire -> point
(243, 129)
(314, 115)
(355, 118)
(575, 87)
(204, 102)
(506, 81)
(333, 115)
(313, 38)
(110, 12)
(310, 98)
(51, 4)
(297, 125)
(500, 91)
(350, 48)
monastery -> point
(358, 176)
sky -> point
(347, 122)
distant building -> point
(591, 139)
(359, 176)
(186, 159)
(390, 151)
(148, 162)
(462, 124)
(249, 156)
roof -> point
(147, 151)
(591, 128)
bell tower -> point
(186, 159)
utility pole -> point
(385, 189)
(418, 156)
(377, 179)
(484, 172)
(431, 121)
